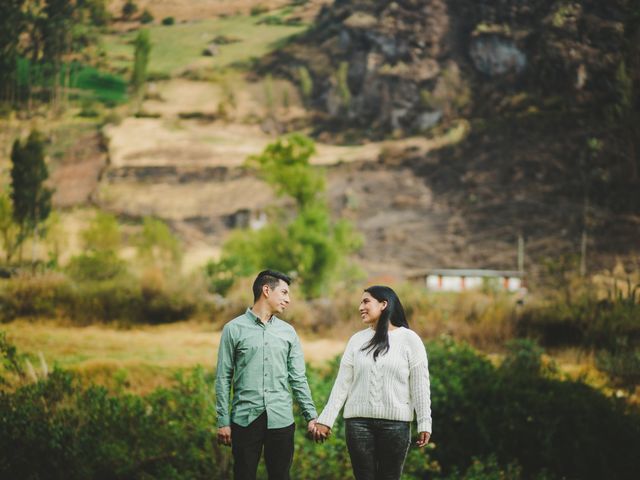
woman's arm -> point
(340, 388)
(420, 385)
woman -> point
(383, 378)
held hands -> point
(317, 431)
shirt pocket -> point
(247, 350)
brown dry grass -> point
(139, 359)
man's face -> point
(278, 297)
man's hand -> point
(423, 439)
(321, 433)
(224, 435)
(311, 428)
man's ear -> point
(266, 289)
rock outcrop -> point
(403, 66)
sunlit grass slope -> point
(179, 46)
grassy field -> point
(179, 47)
(139, 359)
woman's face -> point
(371, 309)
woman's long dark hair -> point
(393, 313)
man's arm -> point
(224, 377)
(298, 381)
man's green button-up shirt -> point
(261, 361)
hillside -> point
(447, 128)
(550, 93)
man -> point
(260, 357)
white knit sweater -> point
(391, 388)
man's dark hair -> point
(268, 277)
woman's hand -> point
(321, 433)
(423, 439)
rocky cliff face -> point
(548, 88)
(407, 65)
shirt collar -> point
(255, 318)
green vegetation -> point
(157, 245)
(129, 9)
(303, 241)
(8, 228)
(142, 49)
(519, 418)
(106, 87)
(306, 82)
(31, 199)
(608, 326)
(146, 16)
(51, 35)
(99, 286)
(176, 49)
(343, 84)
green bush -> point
(34, 296)
(96, 266)
(168, 21)
(117, 298)
(259, 10)
(59, 429)
(521, 412)
(586, 320)
(146, 16)
(129, 9)
(518, 420)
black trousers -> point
(247, 443)
(377, 447)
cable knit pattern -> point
(393, 387)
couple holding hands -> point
(382, 381)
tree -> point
(305, 241)
(157, 245)
(30, 196)
(8, 228)
(102, 234)
(100, 260)
(57, 28)
(142, 46)
(12, 24)
(129, 9)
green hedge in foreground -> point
(519, 420)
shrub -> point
(520, 412)
(88, 108)
(34, 295)
(96, 266)
(306, 82)
(587, 321)
(168, 21)
(60, 429)
(259, 10)
(129, 9)
(146, 16)
(514, 421)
